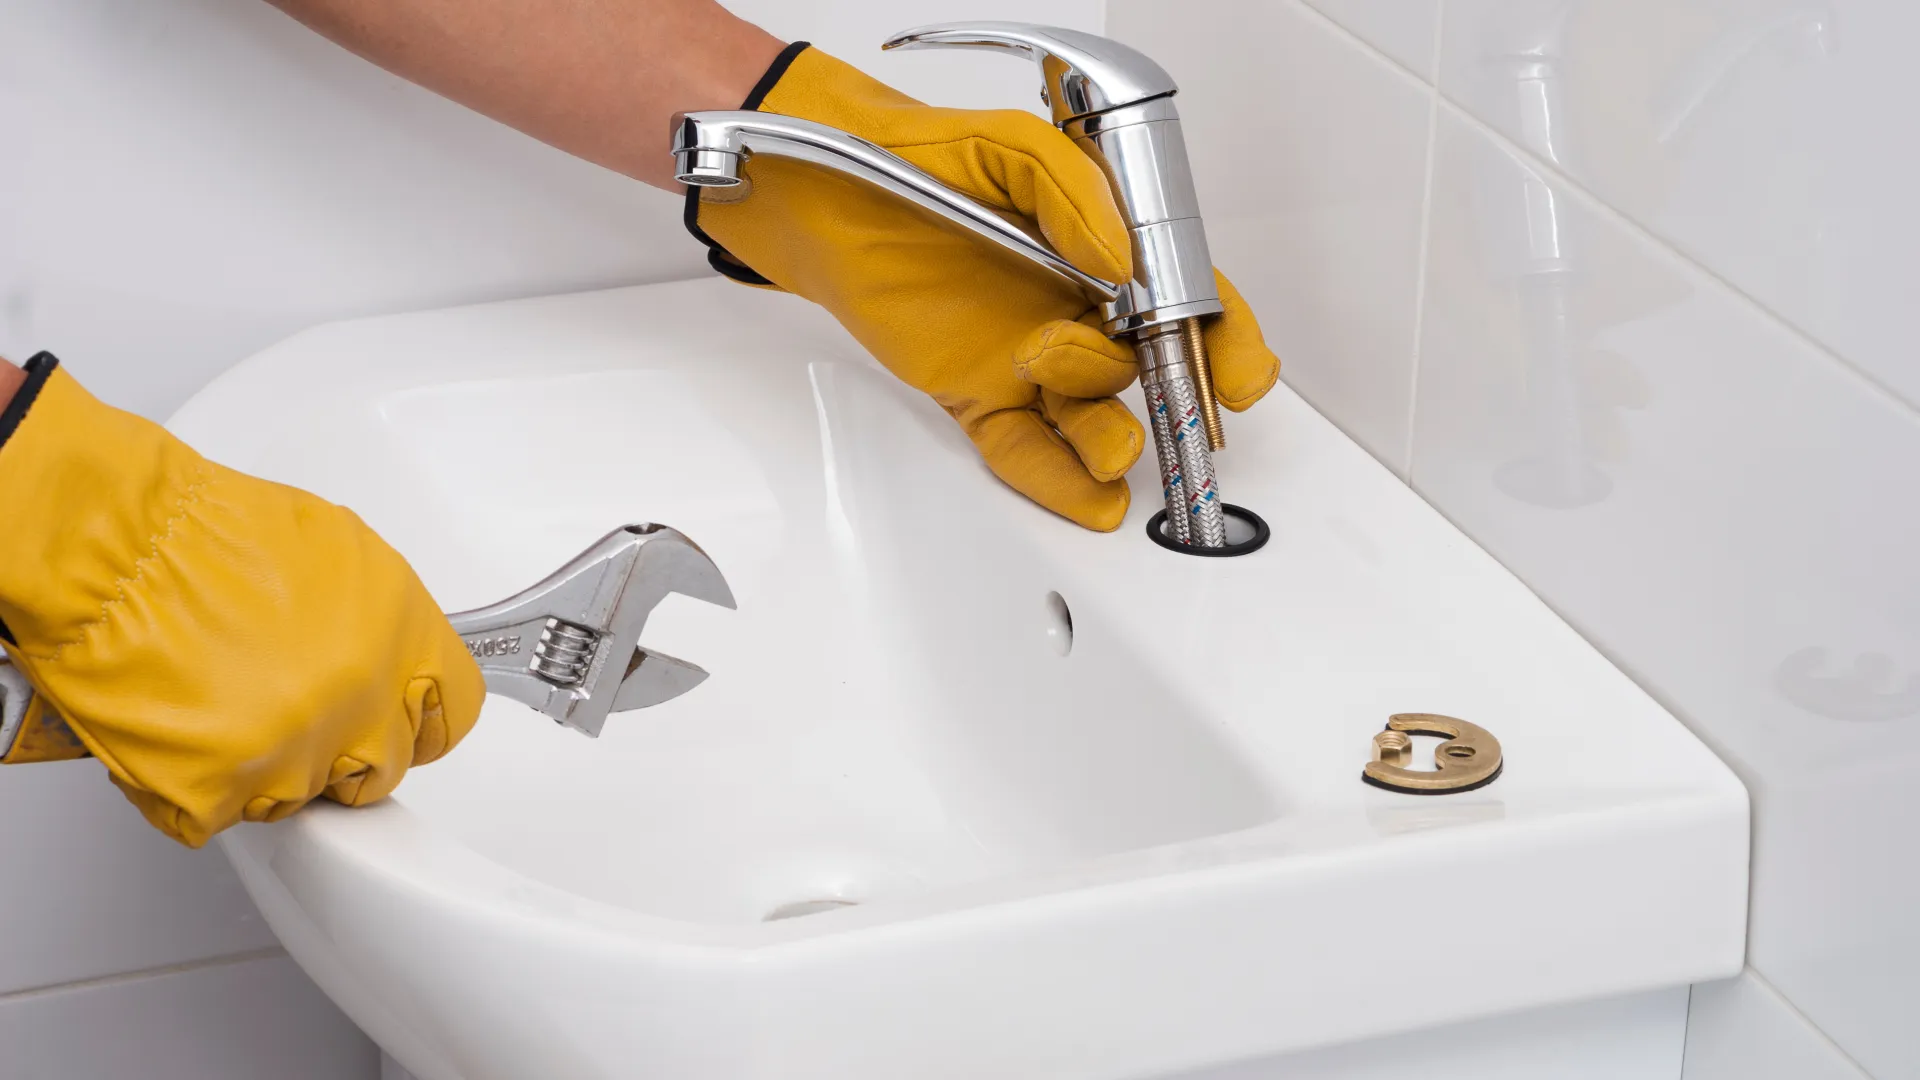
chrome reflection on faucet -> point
(1117, 105)
(1525, 54)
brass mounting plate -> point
(1470, 758)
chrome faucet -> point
(1117, 105)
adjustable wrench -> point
(568, 647)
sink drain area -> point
(795, 909)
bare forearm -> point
(10, 379)
(601, 79)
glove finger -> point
(1075, 359)
(1244, 369)
(265, 808)
(1017, 161)
(439, 711)
(353, 782)
(372, 765)
(443, 708)
(1102, 431)
(1032, 458)
(165, 816)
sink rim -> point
(394, 861)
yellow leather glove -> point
(229, 648)
(1013, 353)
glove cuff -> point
(39, 370)
(88, 491)
(719, 257)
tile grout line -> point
(1626, 222)
(1610, 212)
(1339, 30)
(1426, 239)
(1686, 1026)
(102, 981)
(1819, 1032)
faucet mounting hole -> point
(1247, 533)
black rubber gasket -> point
(1475, 786)
(1156, 531)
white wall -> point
(183, 182)
(189, 181)
(1709, 463)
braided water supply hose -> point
(1180, 437)
(1172, 489)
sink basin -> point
(971, 792)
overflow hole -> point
(798, 908)
(1059, 624)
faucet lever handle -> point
(1082, 74)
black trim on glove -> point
(719, 257)
(38, 370)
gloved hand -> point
(1013, 353)
(229, 648)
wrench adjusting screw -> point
(564, 653)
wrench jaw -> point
(570, 646)
(629, 676)
(653, 677)
(682, 567)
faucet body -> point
(711, 147)
(1117, 106)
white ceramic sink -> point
(1148, 854)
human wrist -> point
(11, 379)
(602, 81)
(736, 59)
(18, 387)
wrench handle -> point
(44, 736)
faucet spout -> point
(710, 147)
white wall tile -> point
(1313, 210)
(1764, 137)
(1403, 29)
(90, 889)
(233, 1021)
(1725, 510)
(1740, 1029)
(189, 182)
(976, 79)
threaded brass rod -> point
(1196, 347)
